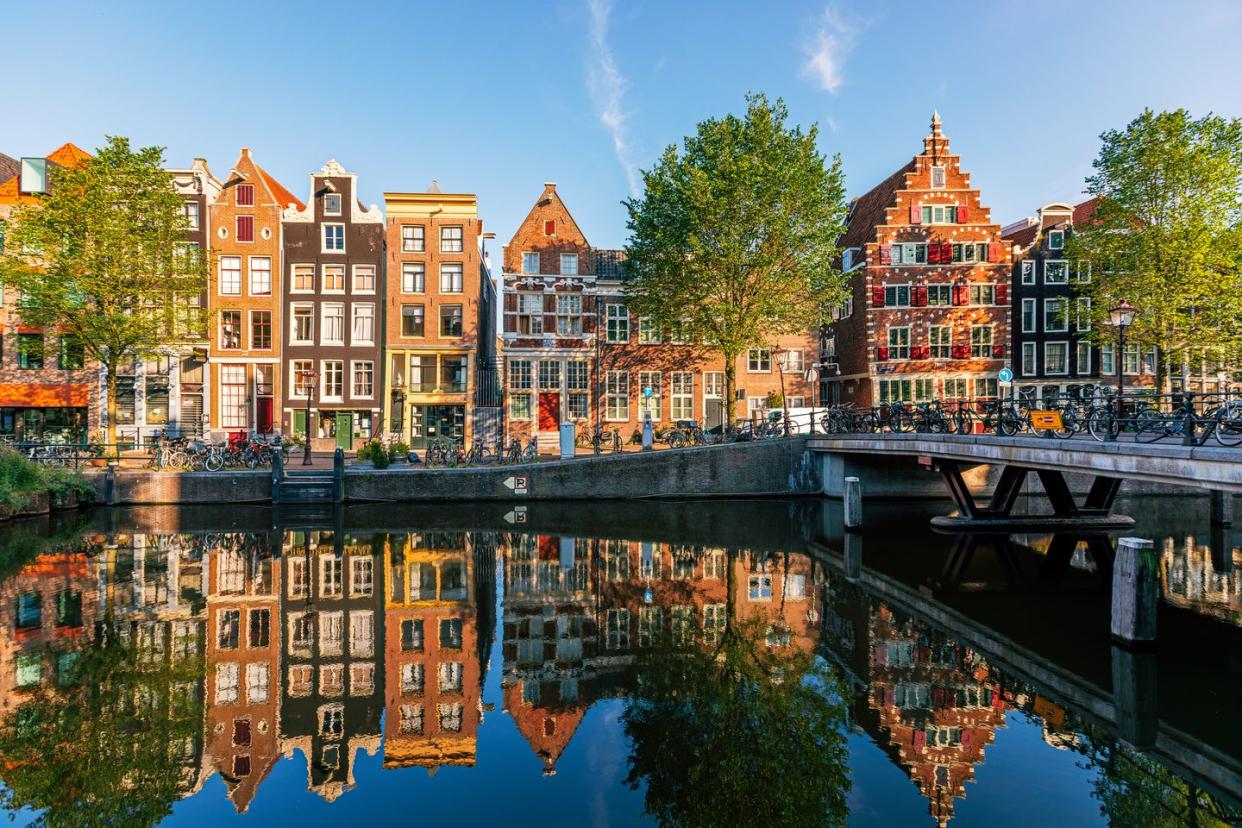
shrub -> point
(398, 449)
(21, 479)
(374, 451)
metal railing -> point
(163, 454)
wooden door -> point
(549, 410)
(345, 430)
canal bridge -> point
(895, 465)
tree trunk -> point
(730, 373)
(110, 404)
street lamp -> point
(308, 383)
(1121, 315)
(782, 360)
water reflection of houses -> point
(243, 662)
(438, 628)
(1195, 576)
(576, 611)
(332, 696)
(930, 702)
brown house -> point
(245, 298)
(439, 315)
(334, 300)
(928, 317)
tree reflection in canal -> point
(723, 731)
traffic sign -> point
(647, 392)
(1006, 375)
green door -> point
(345, 430)
(299, 423)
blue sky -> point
(498, 98)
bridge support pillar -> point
(1222, 508)
(853, 504)
(1136, 587)
(1134, 696)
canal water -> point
(697, 663)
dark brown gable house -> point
(334, 299)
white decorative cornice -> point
(333, 168)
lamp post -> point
(1121, 315)
(782, 358)
(308, 382)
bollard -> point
(278, 473)
(338, 476)
(1134, 696)
(1136, 587)
(853, 504)
(853, 557)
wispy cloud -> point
(827, 49)
(607, 86)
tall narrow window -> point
(245, 195)
(451, 277)
(260, 276)
(245, 228)
(413, 277)
(261, 330)
(230, 275)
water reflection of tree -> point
(110, 745)
(1138, 791)
(738, 731)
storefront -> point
(429, 422)
(335, 429)
(32, 412)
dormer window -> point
(332, 204)
(245, 195)
(1056, 239)
(938, 178)
(34, 175)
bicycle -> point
(516, 454)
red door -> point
(264, 415)
(549, 410)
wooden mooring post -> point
(1136, 588)
(853, 504)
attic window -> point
(34, 175)
(245, 195)
(937, 178)
(549, 227)
(1056, 239)
(332, 204)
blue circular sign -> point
(1006, 375)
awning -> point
(44, 395)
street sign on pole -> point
(1006, 375)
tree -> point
(102, 258)
(738, 732)
(1167, 234)
(734, 239)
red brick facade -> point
(930, 279)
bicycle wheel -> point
(1229, 430)
(1008, 424)
(214, 462)
(198, 461)
(1068, 424)
(1150, 426)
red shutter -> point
(960, 296)
(245, 228)
(959, 351)
(510, 322)
(549, 227)
(588, 313)
(933, 253)
(963, 214)
(886, 254)
(916, 213)
(511, 302)
(881, 354)
(946, 253)
(922, 352)
(877, 296)
(1002, 294)
(919, 296)
(998, 351)
(994, 252)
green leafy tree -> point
(106, 745)
(1167, 235)
(737, 731)
(102, 258)
(734, 239)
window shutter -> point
(920, 296)
(877, 296)
(963, 214)
(245, 228)
(933, 253)
(959, 294)
(916, 213)
(549, 227)
(946, 253)
(510, 322)
(511, 302)
(886, 254)
(881, 353)
(1002, 294)
(998, 351)
(588, 313)
(993, 252)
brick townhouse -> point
(1053, 354)
(928, 315)
(439, 320)
(334, 292)
(47, 387)
(246, 298)
(574, 351)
